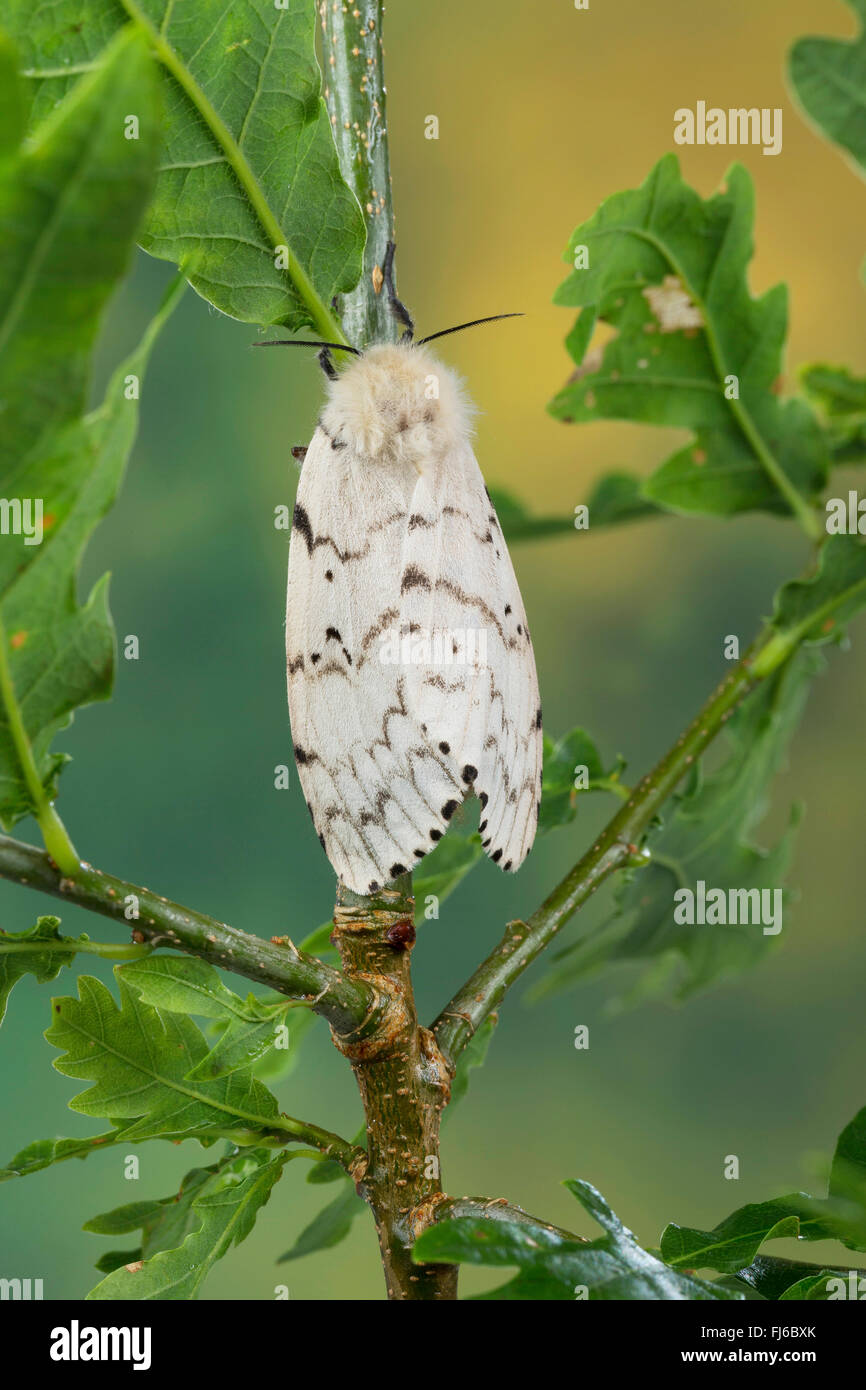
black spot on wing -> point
(413, 578)
(301, 524)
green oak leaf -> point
(448, 864)
(218, 1213)
(519, 524)
(559, 797)
(44, 964)
(473, 1055)
(460, 850)
(44, 1153)
(733, 1245)
(554, 1266)
(829, 78)
(706, 837)
(183, 984)
(70, 202)
(248, 162)
(773, 1279)
(827, 1285)
(148, 1086)
(840, 397)
(69, 205)
(692, 348)
(616, 498)
(816, 610)
(330, 1226)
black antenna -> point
(443, 332)
(398, 308)
(308, 342)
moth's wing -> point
(373, 784)
(481, 709)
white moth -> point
(411, 674)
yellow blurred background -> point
(543, 111)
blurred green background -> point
(544, 111)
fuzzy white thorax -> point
(398, 404)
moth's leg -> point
(299, 452)
(398, 308)
(327, 365)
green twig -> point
(350, 1006)
(617, 847)
(355, 95)
(108, 950)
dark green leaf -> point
(519, 524)
(183, 984)
(667, 270)
(840, 397)
(69, 205)
(616, 498)
(149, 1085)
(460, 850)
(770, 1277)
(448, 864)
(829, 77)
(44, 964)
(221, 1214)
(43, 1153)
(735, 1242)
(474, 1055)
(816, 610)
(116, 1259)
(248, 158)
(330, 1226)
(825, 1286)
(553, 1266)
(706, 839)
(574, 757)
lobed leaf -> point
(69, 205)
(816, 610)
(840, 397)
(553, 1266)
(44, 1153)
(219, 1211)
(559, 796)
(44, 964)
(139, 1059)
(707, 836)
(248, 162)
(184, 984)
(328, 1227)
(692, 349)
(733, 1245)
(829, 78)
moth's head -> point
(395, 403)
